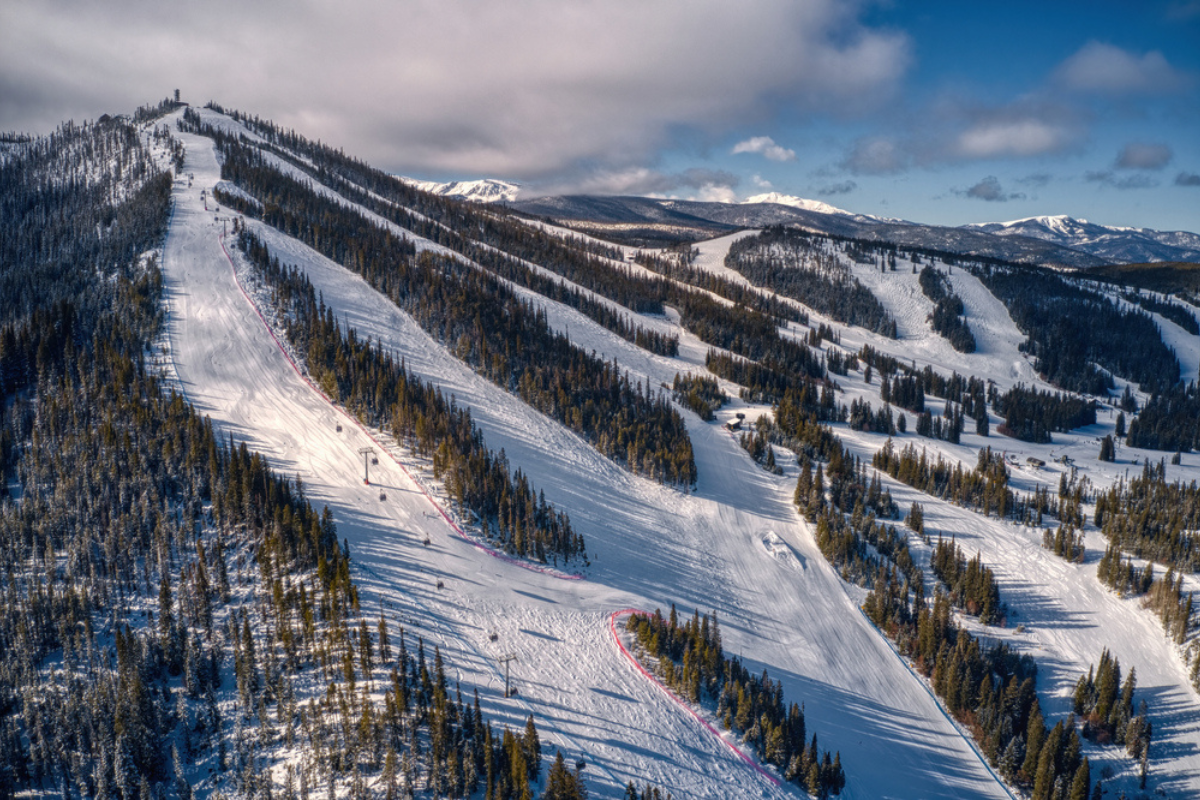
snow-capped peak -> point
(796, 202)
(484, 190)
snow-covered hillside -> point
(735, 545)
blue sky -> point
(930, 111)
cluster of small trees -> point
(691, 660)
(947, 317)
(1066, 542)
(864, 418)
(700, 393)
(757, 444)
(797, 265)
(1106, 706)
(972, 585)
(905, 391)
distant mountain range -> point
(1122, 245)
(1059, 241)
(485, 190)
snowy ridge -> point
(795, 202)
(486, 190)
(1114, 243)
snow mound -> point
(779, 550)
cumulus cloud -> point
(1013, 137)
(642, 181)
(451, 86)
(1187, 179)
(876, 155)
(989, 190)
(1137, 155)
(1106, 69)
(766, 146)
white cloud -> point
(876, 155)
(1015, 137)
(641, 181)
(523, 90)
(766, 146)
(1106, 69)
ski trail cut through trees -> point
(553, 573)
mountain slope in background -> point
(712, 219)
(1115, 244)
(485, 190)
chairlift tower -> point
(505, 659)
(366, 453)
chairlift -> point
(440, 585)
(493, 636)
(374, 459)
(382, 496)
(426, 542)
(339, 427)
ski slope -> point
(735, 546)
(651, 545)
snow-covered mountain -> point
(1112, 243)
(485, 190)
(795, 202)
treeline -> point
(515, 349)
(983, 489)
(1066, 542)
(382, 393)
(692, 662)
(947, 317)
(1176, 313)
(1070, 329)
(1169, 421)
(1030, 415)
(792, 264)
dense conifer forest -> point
(1169, 421)
(171, 605)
